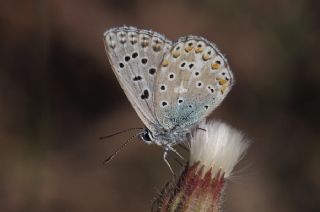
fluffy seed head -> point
(217, 147)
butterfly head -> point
(146, 136)
(163, 137)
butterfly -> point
(172, 86)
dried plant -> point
(214, 152)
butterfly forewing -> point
(194, 78)
(135, 56)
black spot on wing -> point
(137, 78)
(127, 58)
(144, 60)
(145, 94)
(152, 71)
(135, 54)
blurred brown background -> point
(58, 95)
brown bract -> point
(193, 191)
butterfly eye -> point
(146, 137)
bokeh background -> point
(58, 95)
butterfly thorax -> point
(164, 137)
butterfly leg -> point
(165, 154)
(199, 128)
(175, 151)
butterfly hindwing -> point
(194, 78)
(135, 56)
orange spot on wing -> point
(224, 85)
(215, 66)
(165, 63)
(205, 57)
(188, 48)
(222, 81)
(176, 54)
(198, 49)
(223, 88)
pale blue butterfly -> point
(172, 87)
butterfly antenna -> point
(109, 159)
(120, 132)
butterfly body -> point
(171, 86)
